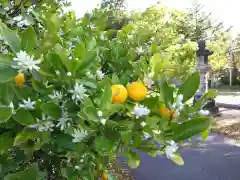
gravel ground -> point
(119, 171)
(228, 123)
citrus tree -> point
(61, 117)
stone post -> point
(204, 68)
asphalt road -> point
(217, 159)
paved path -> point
(228, 98)
(217, 159)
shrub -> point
(57, 117)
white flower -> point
(146, 135)
(140, 50)
(204, 112)
(78, 136)
(143, 124)
(170, 149)
(56, 96)
(70, 58)
(11, 105)
(57, 72)
(89, 75)
(24, 62)
(45, 83)
(100, 113)
(100, 75)
(78, 92)
(45, 124)
(77, 167)
(28, 104)
(69, 74)
(103, 121)
(179, 100)
(157, 132)
(140, 110)
(63, 121)
(148, 80)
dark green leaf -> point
(6, 94)
(167, 93)
(11, 37)
(29, 39)
(24, 135)
(7, 74)
(190, 86)
(64, 141)
(5, 60)
(207, 95)
(91, 113)
(106, 99)
(103, 145)
(89, 58)
(189, 128)
(5, 114)
(6, 142)
(24, 117)
(133, 160)
(79, 51)
(51, 110)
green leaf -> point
(106, 99)
(63, 54)
(190, 86)
(7, 74)
(51, 110)
(24, 117)
(188, 129)
(133, 160)
(5, 114)
(25, 135)
(115, 79)
(87, 61)
(11, 37)
(205, 134)
(79, 51)
(6, 142)
(207, 95)
(29, 39)
(166, 93)
(6, 93)
(103, 145)
(114, 108)
(5, 60)
(91, 113)
(126, 136)
(17, 2)
(31, 172)
(64, 141)
(178, 160)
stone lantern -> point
(204, 68)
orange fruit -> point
(105, 176)
(137, 91)
(119, 94)
(19, 79)
(164, 111)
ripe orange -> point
(119, 94)
(137, 91)
(105, 176)
(19, 79)
(164, 111)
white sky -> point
(227, 11)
